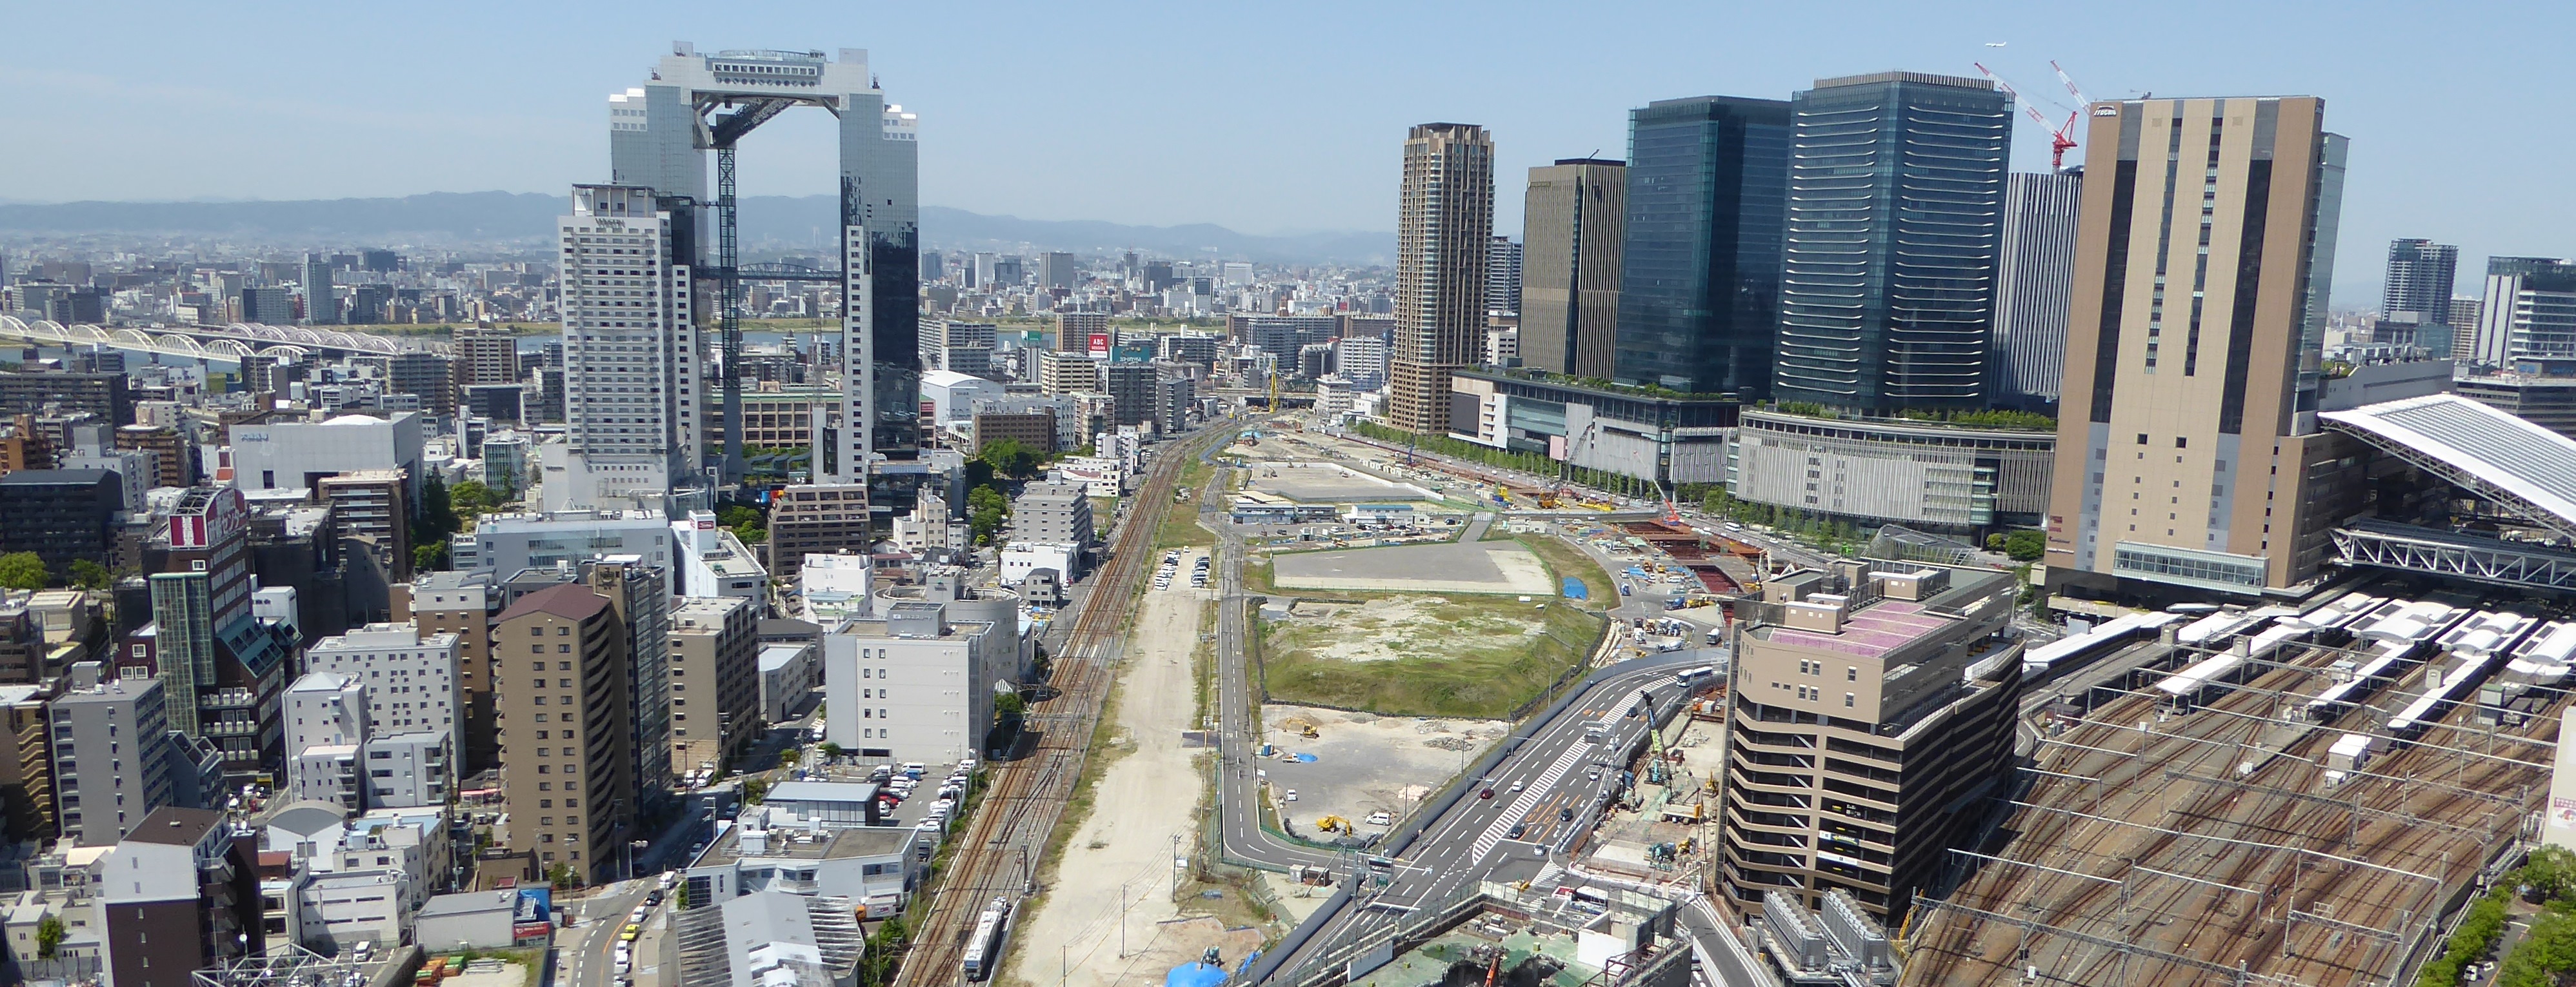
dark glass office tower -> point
(1895, 226)
(1700, 279)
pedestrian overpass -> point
(2519, 468)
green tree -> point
(2025, 545)
(472, 498)
(49, 936)
(23, 570)
(753, 790)
(1010, 458)
(985, 511)
(1995, 542)
(830, 749)
(429, 558)
(89, 575)
(437, 512)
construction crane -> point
(2061, 137)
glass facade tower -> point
(1700, 266)
(1895, 229)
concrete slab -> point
(1452, 567)
(1330, 483)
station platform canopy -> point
(2504, 458)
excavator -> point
(1334, 824)
(1301, 726)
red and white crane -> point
(2061, 136)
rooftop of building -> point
(570, 601)
(175, 826)
(1592, 385)
(322, 682)
(705, 611)
(385, 636)
(1994, 420)
(1899, 75)
(808, 843)
(777, 656)
(35, 478)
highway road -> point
(1238, 775)
(1553, 781)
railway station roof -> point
(2475, 445)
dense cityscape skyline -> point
(1184, 87)
(1821, 541)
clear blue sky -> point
(1266, 118)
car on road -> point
(1516, 786)
(1291, 796)
(1592, 775)
(1486, 794)
(653, 899)
(1565, 813)
(1517, 830)
(631, 930)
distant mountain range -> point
(770, 221)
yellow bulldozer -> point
(1300, 726)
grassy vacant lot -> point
(1181, 523)
(1569, 562)
(1419, 655)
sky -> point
(1266, 118)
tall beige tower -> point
(1442, 231)
(1572, 228)
(2188, 454)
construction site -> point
(2259, 796)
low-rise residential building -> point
(788, 675)
(463, 605)
(178, 894)
(108, 771)
(714, 562)
(777, 848)
(917, 682)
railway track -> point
(2421, 810)
(1006, 839)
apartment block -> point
(559, 657)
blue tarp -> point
(1194, 975)
(1575, 590)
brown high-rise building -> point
(558, 662)
(1572, 224)
(2188, 453)
(485, 355)
(1443, 231)
(1871, 715)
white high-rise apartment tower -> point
(633, 367)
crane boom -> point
(2061, 137)
(2080, 99)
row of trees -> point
(445, 511)
(998, 466)
(2547, 954)
(27, 571)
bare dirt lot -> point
(1365, 763)
(1122, 854)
